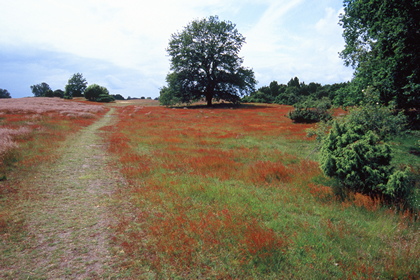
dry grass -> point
(22, 119)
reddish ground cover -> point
(170, 156)
(39, 124)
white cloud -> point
(284, 37)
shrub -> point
(311, 111)
(308, 115)
(167, 97)
(105, 98)
(98, 93)
(118, 96)
(58, 93)
(361, 162)
(379, 119)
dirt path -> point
(68, 226)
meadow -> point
(31, 132)
(214, 193)
(37, 125)
(237, 193)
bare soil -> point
(68, 225)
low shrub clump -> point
(311, 111)
(356, 154)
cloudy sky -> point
(121, 44)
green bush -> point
(311, 111)
(93, 92)
(309, 115)
(105, 98)
(167, 97)
(354, 153)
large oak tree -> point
(205, 63)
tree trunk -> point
(209, 98)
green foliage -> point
(205, 62)
(41, 90)
(311, 111)
(382, 44)
(308, 115)
(167, 97)
(93, 91)
(76, 86)
(49, 93)
(105, 98)
(355, 155)
(58, 93)
(4, 93)
(118, 96)
(383, 121)
(98, 93)
(296, 92)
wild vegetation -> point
(243, 191)
(237, 193)
(32, 132)
(205, 63)
(28, 120)
(223, 192)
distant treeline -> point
(296, 92)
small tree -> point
(93, 91)
(76, 86)
(205, 63)
(4, 93)
(41, 90)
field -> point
(217, 193)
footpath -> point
(68, 226)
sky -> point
(122, 44)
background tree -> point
(205, 62)
(383, 45)
(76, 86)
(41, 90)
(58, 93)
(98, 93)
(4, 93)
(118, 96)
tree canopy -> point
(383, 45)
(98, 93)
(41, 90)
(4, 93)
(76, 86)
(205, 62)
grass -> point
(218, 193)
(34, 217)
(231, 193)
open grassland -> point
(31, 127)
(209, 193)
(236, 193)
(31, 133)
